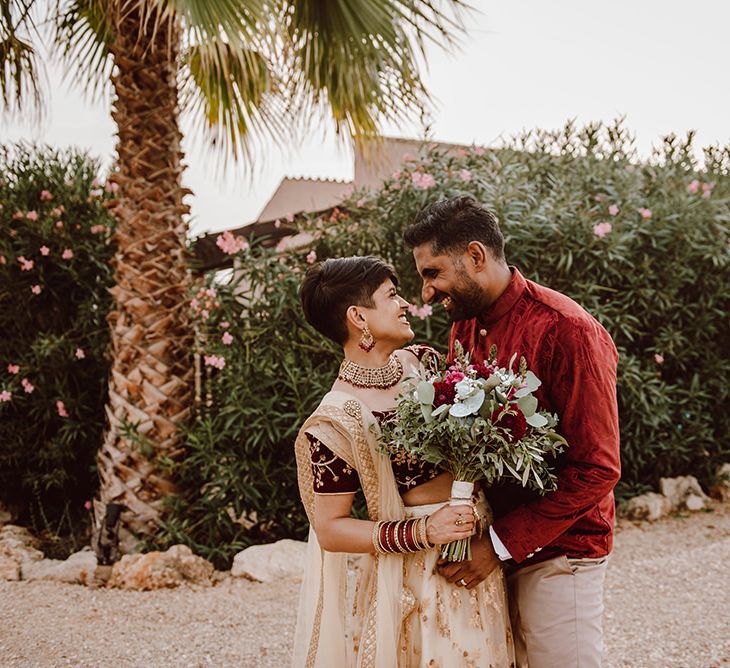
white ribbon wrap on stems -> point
(461, 492)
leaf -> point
(532, 381)
(528, 405)
(426, 392)
(536, 420)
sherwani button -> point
(482, 332)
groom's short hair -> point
(452, 224)
(329, 288)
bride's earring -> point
(367, 342)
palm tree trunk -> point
(151, 385)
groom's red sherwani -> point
(575, 359)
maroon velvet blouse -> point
(333, 475)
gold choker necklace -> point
(380, 378)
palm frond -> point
(82, 34)
(356, 61)
(21, 70)
(230, 92)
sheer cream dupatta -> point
(321, 638)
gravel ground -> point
(667, 605)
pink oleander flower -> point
(230, 244)
(421, 312)
(46, 196)
(210, 292)
(693, 186)
(465, 175)
(80, 354)
(227, 339)
(277, 223)
(311, 257)
(205, 314)
(5, 395)
(59, 224)
(44, 250)
(659, 359)
(36, 289)
(396, 175)
(598, 198)
(479, 150)
(612, 210)
(87, 505)
(225, 324)
(645, 213)
(56, 212)
(27, 386)
(96, 182)
(602, 229)
(32, 215)
(61, 409)
(67, 254)
(97, 229)
(422, 181)
(215, 361)
(111, 187)
(13, 368)
(18, 215)
(25, 265)
(707, 189)
(96, 192)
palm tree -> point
(244, 69)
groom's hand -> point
(483, 561)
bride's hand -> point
(450, 523)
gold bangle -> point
(424, 534)
(376, 538)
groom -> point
(554, 547)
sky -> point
(522, 64)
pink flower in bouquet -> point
(46, 196)
(36, 289)
(644, 212)
(27, 385)
(61, 409)
(13, 368)
(5, 395)
(227, 339)
(612, 210)
(602, 229)
(44, 251)
(32, 215)
(693, 186)
(465, 175)
(67, 254)
(445, 393)
(454, 375)
(512, 424)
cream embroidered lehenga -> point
(396, 611)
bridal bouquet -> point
(478, 421)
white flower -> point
(464, 388)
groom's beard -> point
(467, 300)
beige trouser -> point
(556, 608)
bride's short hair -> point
(329, 288)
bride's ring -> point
(461, 582)
(458, 521)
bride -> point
(397, 610)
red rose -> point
(512, 424)
(445, 393)
(483, 370)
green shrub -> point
(654, 271)
(55, 254)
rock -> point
(721, 490)
(79, 568)
(651, 506)
(160, 570)
(17, 551)
(679, 490)
(267, 563)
